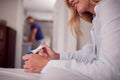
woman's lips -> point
(76, 4)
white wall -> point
(19, 28)
(63, 40)
(12, 11)
(40, 15)
(8, 11)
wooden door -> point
(2, 46)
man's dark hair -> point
(29, 17)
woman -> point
(99, 61)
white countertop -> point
(17, 74)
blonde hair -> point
(74, 22)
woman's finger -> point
(28, 70)
(43, 54)
(27, 62)
(26, 57)
(46, 47)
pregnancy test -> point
(35, 50)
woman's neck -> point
(91, 9)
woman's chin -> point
(79, 11)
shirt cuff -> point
(64, 56)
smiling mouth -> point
(75, 5)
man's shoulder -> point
(36, 24)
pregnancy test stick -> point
(35, 50)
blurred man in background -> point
(36, 36)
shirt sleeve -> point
(84, 55)
(34, 26)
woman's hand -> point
(34, 63)
(48, 52)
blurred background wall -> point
(53, 17)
